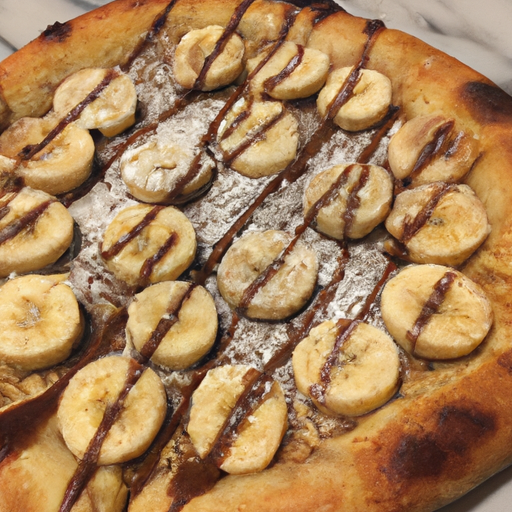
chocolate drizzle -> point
(148, 266)
(271, 83)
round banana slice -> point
(174, 323)
(61, 166)
(112, 112)
(253, 275)
(258, 138)
(436, 312)
(350, 200)
(262, 418)
(35, 231)
(439, 223)
(368, 103)
(192, 52)
(148, 244)
(430, 148)
(292, 72)
(40, 321)
(348, 369)
(95, 391)
(156, 172)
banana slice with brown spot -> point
(436, 312)
(97, 390)
(367, 104)
(431, 148)
(349, 200)
(258, 138)
(293, 72)
(148, 244)
(258, 407)
(156, 172)
(347, 368)
(196, 47)
(35, 231)
(40, 321)
(174, 323)
(439, 223)
(62, 165)
(264, 279)
(112, 112)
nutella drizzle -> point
(271, 83)
(148, 266)
(431, 307)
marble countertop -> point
(475, 32)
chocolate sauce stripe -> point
(149, 265)
(353, 200)
(272, 82)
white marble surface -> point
(474, 31)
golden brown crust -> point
(450, 428)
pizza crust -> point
(450, 428)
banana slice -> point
(436, 312)
(92, 393)
(439, 223)
(243, 281)
(62, 165)
(258, 138)
(430, 148)
(112, 112)
(35, 231)
(148, 244)
(262, 419)
(174, 323)
(192, 52)
(157, 172)
(348, 369)
(350, 199)
(40, 321)
(292, 72)
(368, 103)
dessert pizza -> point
(254, 256)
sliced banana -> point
(173, 322)
(367, 105)
(261, 430)
(436, 312)
(35, 231)
(355, 198)
(278, 296)
(112, 112)
(92, 393)
(258, 138)
(158, 172)
(348, 369)
(148, 244)
(439, 223)
(430, 148)
(292, 72)
(61, 166)
(40, 321)
(193, 50)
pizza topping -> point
(111, 112)
(280, 295)
(436, 312)
(368, 101)
(361, 199)
(121, 413)
(173, 323)
(146, 244)
(347, 368)
(61, 165)
(28, 240)
(439, 223)
(40, 321)
(249, 408)
(430, 148)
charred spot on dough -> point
(426, 455)
(487, 103)
(58, 32)
(505, 361)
